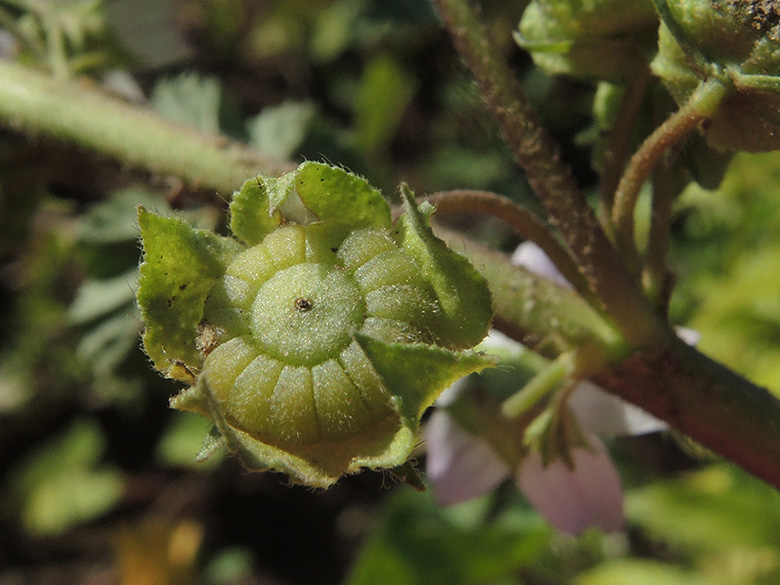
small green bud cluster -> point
(604, 39)
(738, 43)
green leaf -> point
(416, 373)
(332, 193)
(718, 509)
(639, 572)
(113, 220)
(252, 217)
(98, 298)
(417, 542)
(58, 485)
(180, 266)
(191, 99)
(385, 92)
(462, 292)
(178, 445)
(278, 130)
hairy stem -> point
(84, 115)
(526, 223)
(550, 178)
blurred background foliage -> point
(98, 482)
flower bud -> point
(736, 43)
(604, 39)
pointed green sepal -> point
(319, 464)
(333, 194)
(415, 373)
(408, 474)
(251, 215)
(180, 265)
(463, 293)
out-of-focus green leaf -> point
(178, 445)
(198, 101)
(114, 220)
(13, 388)
(278, 130)
(385, 92)
(96, 298)
(59, 484)
(334, 29)
(105, 345)
(729, 258)
(229, 567)
(639, 572)
(149, 29)
(418, 542)
(191, 99)
(712, 510)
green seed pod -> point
(603, 39)
(314, 347)
(737, 43)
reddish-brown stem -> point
(526, 223)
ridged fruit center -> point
(306, 314)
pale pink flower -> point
(462, 466)
(588, 494)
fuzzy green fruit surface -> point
(314, 344)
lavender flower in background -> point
(463, 465)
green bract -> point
(737, 43)
(317, 337)
(605, 39)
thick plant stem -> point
(708, 402)
(552, 180)
(84, 115)
(678, 126)
(526, 223)
(696, 395)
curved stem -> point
(524, 222)
(702, 103)
(551, 178)
(619, 141)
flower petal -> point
(573, 500)
(460, 465)
(534, 259)
(608, 415)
